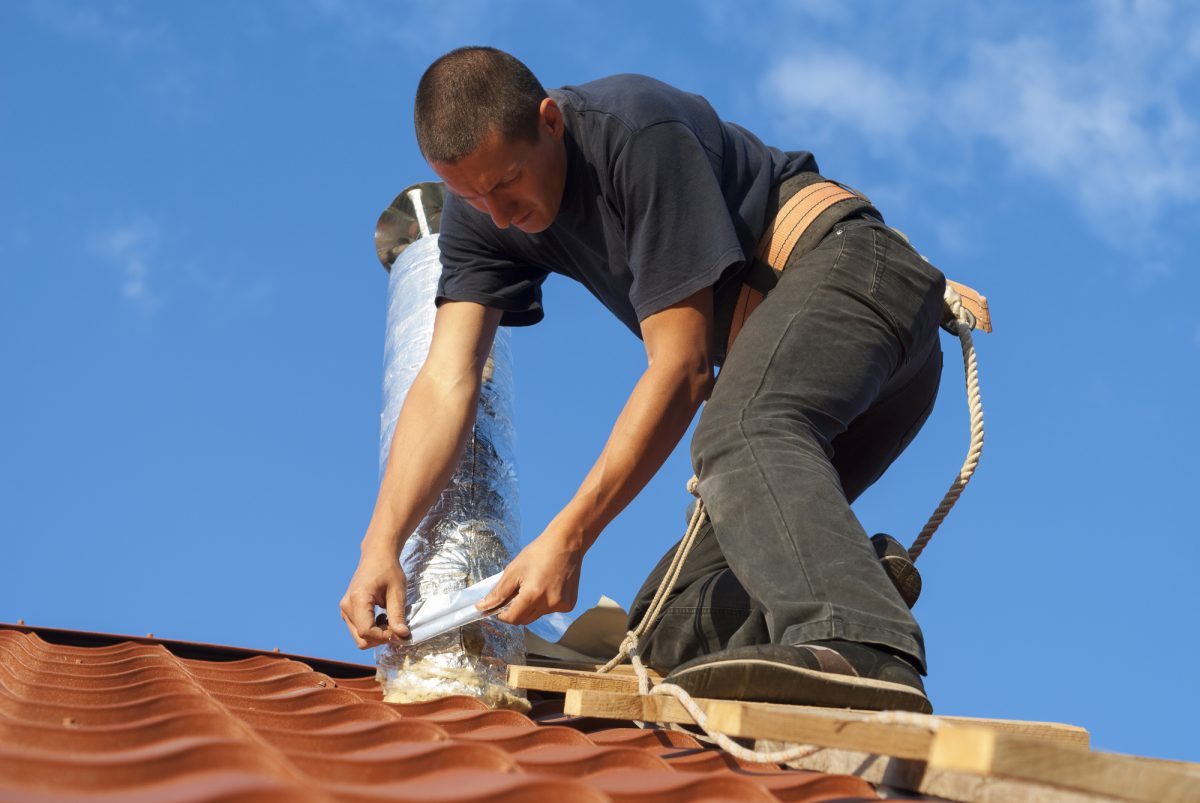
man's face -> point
(518, 183)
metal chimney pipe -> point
(471, 531)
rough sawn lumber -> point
(565, 680)
(1054, 755)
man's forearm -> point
(654, 419)
(432, 428)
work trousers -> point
(828, 382)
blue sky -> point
(191, 313)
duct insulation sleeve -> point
(471, 531)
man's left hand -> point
(544, 578)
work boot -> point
(899, 567)
(832, 674)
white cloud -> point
(130, 246)
(762, 22)
(818, 9)
(1102, 133)
(1105, 111)
(425, 26)
(97, 22)
(842, 90)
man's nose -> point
(500, 210)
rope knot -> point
(693, 486)
(957, 313)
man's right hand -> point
(379, 580)
(431, 430)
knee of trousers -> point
(723, 443)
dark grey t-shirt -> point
(662, 199)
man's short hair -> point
(470, 92)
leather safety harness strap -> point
(795, 218)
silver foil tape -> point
(471, 531)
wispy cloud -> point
(1103, 130)
(228, 284)
(134, 249)
(817, 9)
(130, 246)
(1105, 113)
(424, 26)
(167, 71)
(840, 90)
(111, 23)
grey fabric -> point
(828, 382)
(763, 277)
(662, 198)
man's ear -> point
(550, 118)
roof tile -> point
(107, 720)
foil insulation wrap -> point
(471, 532)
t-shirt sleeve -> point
(677, 222)
(475, 268)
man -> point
(643, 194)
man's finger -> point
(362, 614)
(362, 618)
(358, 640)
(522, 610)
(376, 635)
(504, 589)
(395, 612)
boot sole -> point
(762, 681)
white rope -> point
(964, 322)
(629, 646)
(785, 756)
(699, 516)
(729, 745)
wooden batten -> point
(535, 678)
(621, 670)
(959, 758)
(913, 738)
(759, 715)
(981, 752)
(909, 775)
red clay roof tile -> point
(103, 719)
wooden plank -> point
(826, 727)
(616, 705)
(1057, 732)
(579, 666)
(984, 752)
(562, 680)
(910, 775)
(1045, 731)
(943, 745)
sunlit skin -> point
(521, 183)
(516, 182)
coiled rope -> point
(963, 322)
